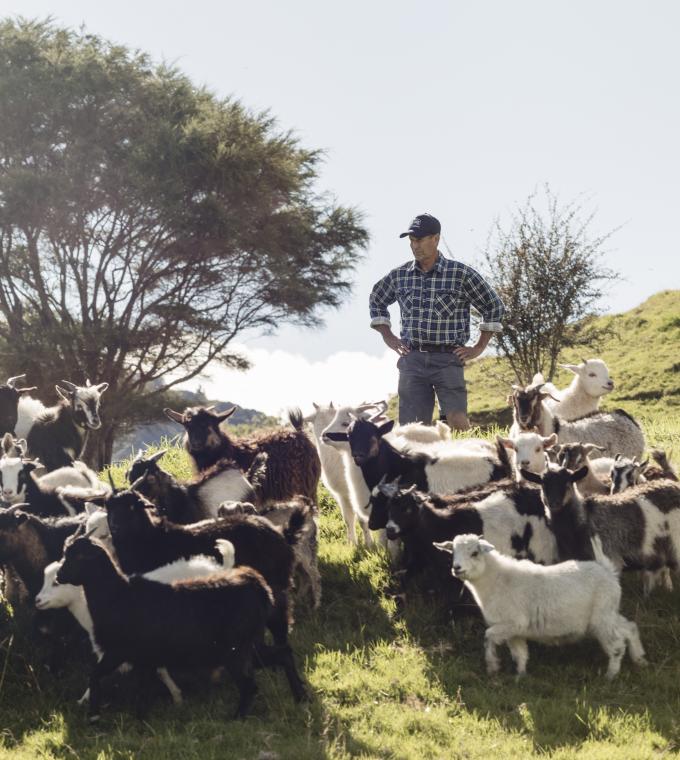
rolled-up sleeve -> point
(383, 295)
(485, 299)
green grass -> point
(385, 683)
(642, 357)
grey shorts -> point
(424, 374)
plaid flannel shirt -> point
(435, 305)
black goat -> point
(293, 465)
(29, 543)
(143, 542)
(218, 620)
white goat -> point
(591, 382)
(334, 469)
(522, 601)
(613, 432)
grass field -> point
(388, 682)
(385, 683)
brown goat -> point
(292, 465)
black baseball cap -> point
(422, 226)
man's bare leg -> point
(457, 421)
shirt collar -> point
(438, 265)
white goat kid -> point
(528, 451)
(523, 601)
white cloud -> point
(279, 380)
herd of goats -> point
(532, 530)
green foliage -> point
(145, 223)
(388, 681)
(547, 268)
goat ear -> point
(63, 393)
(485, 546)
(102, 387)
(330, 406)
(7, 442)
(573, 368)
(315, 405)
(617, 457)
(222, 416)
(507, 443)
(532, 477)
(20, 517)
(444, 546)
(174, 416)
(385, 428)
(579, 474)
(510, 399)
(590, 447)
(550, 441)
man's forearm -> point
(384, 330)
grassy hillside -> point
(643, 359)
(387, 681)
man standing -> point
(434, 295)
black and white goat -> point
(219, 620)
(60, 492)
(293, 465)
(444, 469)
(56, 435)
(10, 396)
(189, 502)
(639, 528)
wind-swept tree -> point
(145, 223)
(547, 267)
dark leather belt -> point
(435, 347)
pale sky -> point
(457, 108)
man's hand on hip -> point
(396, 344)
(466, 353)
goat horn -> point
(137, 483)
(12, 381)
(69, 386)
